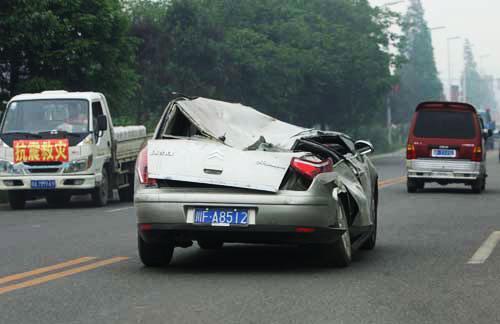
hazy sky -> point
(477, 20)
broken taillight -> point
(411, 153)
(142, 169)
(310, 168)
(477, 154)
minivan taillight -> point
(411, 154)
(142, 169)
(477, 154)
(311, 169)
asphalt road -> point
(419, 272)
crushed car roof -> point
(241, 126)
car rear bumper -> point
(277, 217)
(442, 169)
(268, 234)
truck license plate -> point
(43, 184)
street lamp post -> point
(448, 40)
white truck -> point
(56, 144)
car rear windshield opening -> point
(445, 124)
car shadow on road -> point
(249, 259)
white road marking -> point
(119, 209)
(483, 253)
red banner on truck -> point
(49, 150)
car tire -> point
(210, 245)
(100, 194)
(154, 254)
(339, 253)
(58, 199)
(17, 199)
(478, 185)
(370, 243)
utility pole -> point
(388, 98)
(450, 76)
(389, 121)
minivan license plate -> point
(446, 153)
(221, 216)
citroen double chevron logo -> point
(215, 155)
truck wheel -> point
(154, 255)
(58, 199)
(17, 199)
(339, 253)
(101, 193)
(127, 194)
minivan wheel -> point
(478, 185)
(17, 199)
(413, 185)
(154, 254)
(339, 253)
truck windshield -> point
(36, 116)
(445, 124)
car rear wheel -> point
(17, 199)
(370, 243)
(210, 245)
(154, 254)
(339, 253)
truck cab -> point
(56, 144)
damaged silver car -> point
(218, 172)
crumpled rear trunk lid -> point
(210, 162)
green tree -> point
(310, 62)
(478, 89)
(418, 75)
(152, 94)
(74, 45)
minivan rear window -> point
(445, 124)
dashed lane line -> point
(485, 250)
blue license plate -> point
(221, 216)
(43, 184)
(444, 153)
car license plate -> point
(221, 216)
(446, 153)
(43, 184)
